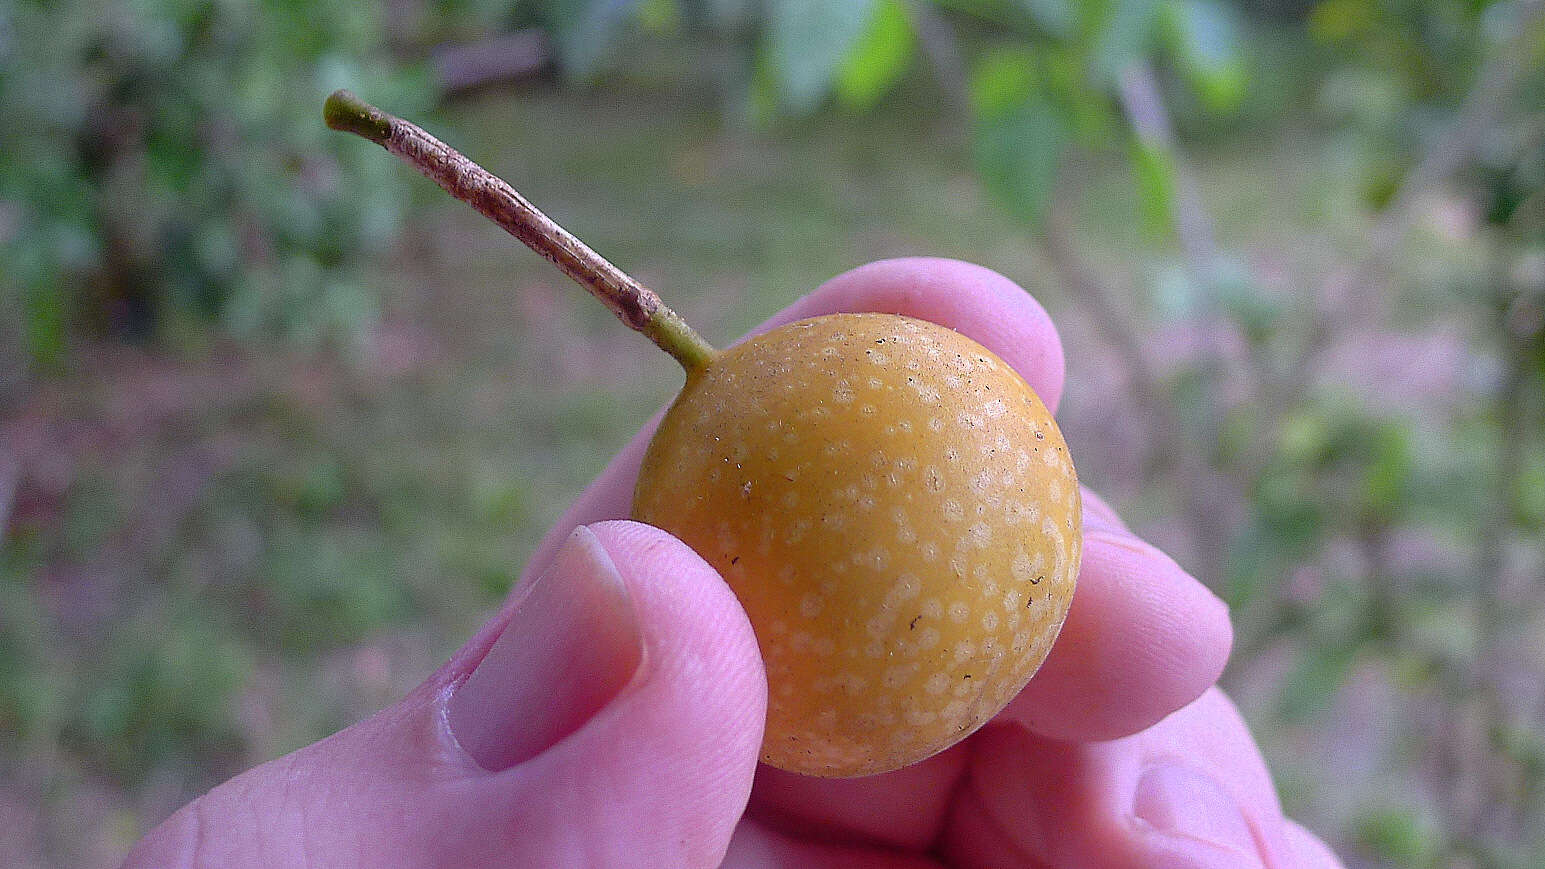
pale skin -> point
(611, 713)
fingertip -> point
(1098, 514)
(675, 752)
(690, 617)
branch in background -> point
(1144, 108)
(939, 43)
(937, 37)
(1361, 284)
(10, 479)
(1200, 486)
(1089, 290)
(495, 60)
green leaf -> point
(1003, 80)
(1066, 82)
(1399, 835)
(1205, 38)
(659, 16)
(1321, 670)
(1239, 294)
(879, 58)
(1125, 38)
(1153, 171)
(807, 43)
(1387, 480)
(1018, 154)
(1337, 20)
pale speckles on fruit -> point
(1011, 601)
(897, 565)
(955, 710)
(905, 588)
(810, 605)
(900, 674)
(979, 534)
(938, 683)
(933, 479)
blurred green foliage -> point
(165, 171)
(163, 168)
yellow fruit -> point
(896, 510)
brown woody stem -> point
(634, 304)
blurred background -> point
(280, 422)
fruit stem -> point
(634, 304)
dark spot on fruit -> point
(912, 625)
(1037, 580)
(1040, 435)
(735, 560)
(968, 675)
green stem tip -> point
(346, 112)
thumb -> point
(615, 719)
(658, 776)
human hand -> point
(611, 713)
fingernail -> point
(1181, 801)
(572, 644)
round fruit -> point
(896, 510)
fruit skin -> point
(898, 514)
